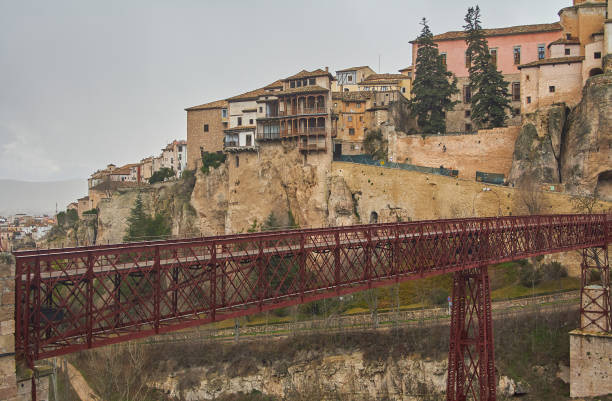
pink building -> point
(510, 47)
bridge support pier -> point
(591, 344)
(471, 362)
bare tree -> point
(530, 195)
(585, 203)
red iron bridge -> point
(72, 299)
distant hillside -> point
(39, 197)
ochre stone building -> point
(205, 125)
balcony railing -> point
(268, 136)
(297, 111)
(319, 131)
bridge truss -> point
(72, 299)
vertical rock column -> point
(8, 384)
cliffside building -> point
(510, 48)
(348, 79)
(571, 60)
(387, 82)
(205, 125)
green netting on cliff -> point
(367, 159)
(490, 178)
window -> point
(567, 52)
(493, 53)
(468, 113)
(205, 127)
(541, 52)
(468, 59)
(292, 84)
(352, 146)
(261, 109)
(298, 83)
(468, 127)
(467, 94)
(516, 91)
(346, 89)
(517, 55)
(250, 121)
(239, 120)
(528, 99)
(351, 131)
(551, 89)
(304, 82)
(443, 57)
(360, 118)
(223, 113)
(349, 78)
(597, 55)
(311, 81)
(349, 118)
(237, 161)
(403, 90)
(568, 36)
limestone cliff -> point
(574, 147)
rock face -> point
(587, 159)
(319, 378)
(537, 150)
(570, 147)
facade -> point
(174, 156)
(347, 80)
(83, 205)
(205, 126)
(243, 110)
(387, 83)
(299, 112)
(572, 59)
(510, 48)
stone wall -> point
(590, 364)
(8, 384)
(488, 151)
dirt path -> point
(79, 384)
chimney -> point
(326, 69)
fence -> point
(367, 159)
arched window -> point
(595, 71)
(373, 218)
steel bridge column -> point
(471, 361)
(595, 290)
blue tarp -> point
(367, 159)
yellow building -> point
(348, 79)
(387, 83)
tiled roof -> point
(410, 68)
(380, 82)
(251, 95)
(511, 30)
(125, 170)
(377, 77)
(309, 74)
(562, 41)
(303, 89)
(218, 104)
(354, 68)
(550, 61)
(274, 85)
(355, 96)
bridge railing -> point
(71, 299)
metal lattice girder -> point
(471, 362)
(77, 298)
(595, 290)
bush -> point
(187, 174)
(161, 175)
(529, 275)
(91, 211)
(553, 271)
(438, 296)
(211, 160)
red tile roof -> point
(562, 41)
(218, 104)
(511, 30)
(303, 89)
(551, 61)
(355, 68)
(309, 74)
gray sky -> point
(86, 83)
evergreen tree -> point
(433, 85)
(489, 90)
(137, 222)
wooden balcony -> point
(302, 111)
(315, 131)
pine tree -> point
(137, 222)
(433, 85)
(489, 90)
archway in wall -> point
(595, 71)
(373, 218)
(604, 185)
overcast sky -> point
(87, 83)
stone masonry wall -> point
(8, 384)
(590, 364)
(488, 151)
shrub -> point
(375, 145)
(529, 275)
(437, 296)
(161, 175)
(211, 160)
(91, 211)
(553, 271)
